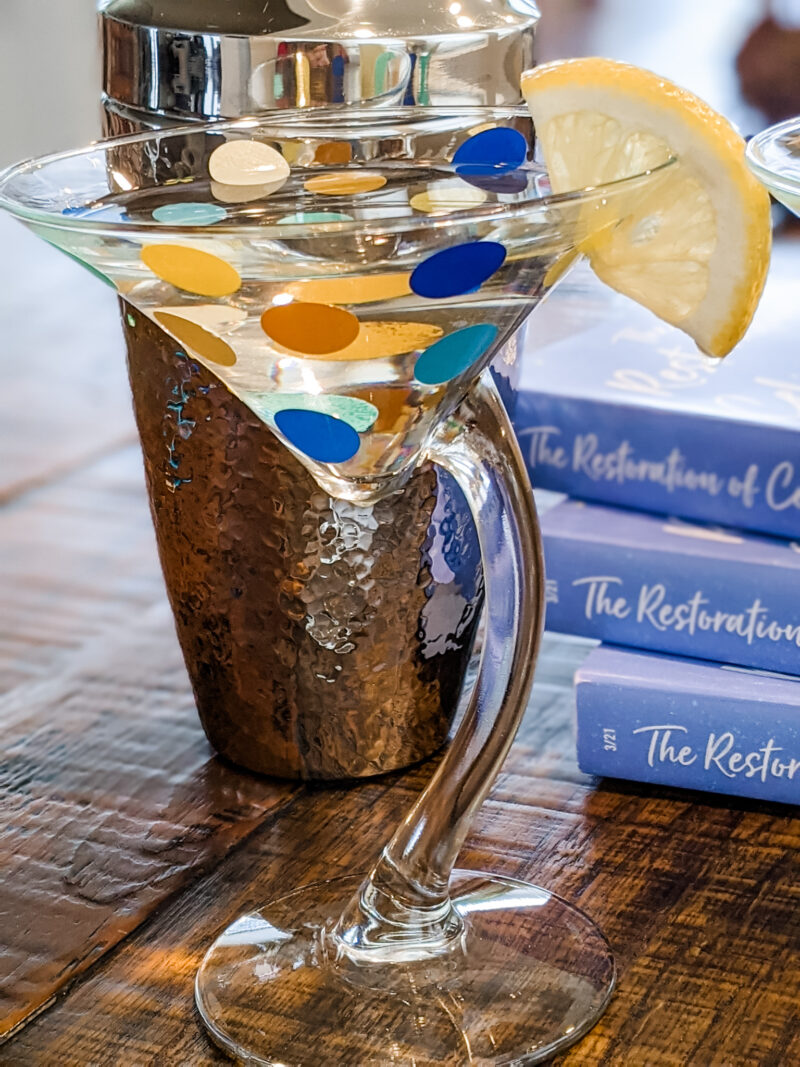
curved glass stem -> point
(403, 910)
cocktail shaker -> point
(323, 639)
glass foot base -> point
(530, 976)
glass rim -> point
(302, 121)
(763, 170)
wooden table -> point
(125, 846)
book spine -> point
(699, 467)
(745, 613)
(716, 744)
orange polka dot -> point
(205, 344)
(313, 329)
(333, 152)
(397, 405)
(344, 183)
(191, 269)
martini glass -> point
(774, 157)
(349, 276)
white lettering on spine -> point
(666, 745)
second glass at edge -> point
(419, 963)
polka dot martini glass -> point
(774, 158)
(349, 275)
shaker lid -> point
(325, 19)
(247, 18)
(227, 58)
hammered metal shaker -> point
(323, 640)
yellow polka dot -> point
(351, 289)
(382, 340)
(192, 269)
(313, 329)
(344, 183)
(192, 334)
(443, 197)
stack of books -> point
(678, 546)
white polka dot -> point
(247, 163)
(243, 194)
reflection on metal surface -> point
(254, 613)
(319, 635)
(209, 59)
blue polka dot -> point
(515, 181)
(454, 354)
(319, 436)
(491, 152)
(189, 214)
(310, 217)
(457, 270)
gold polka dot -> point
(192, 334)
(352, 289)
(333, 152)
(313, 329)
(382, 340)
(297, 152)
(192, 269)
(344, 183)
(481, 128)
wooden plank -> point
(698, 895)
(112, 801)
(76, 558)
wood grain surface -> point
(112, 800)
(699, 898)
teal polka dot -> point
(189, 214)
(310, 217)
(454, 354)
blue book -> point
(616, 406)
(668, 585)
(678, 722)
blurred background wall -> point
(49, 76)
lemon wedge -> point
(694, 243)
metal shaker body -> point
(322, 640)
